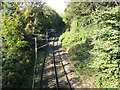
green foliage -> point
(20, 25)
(92, 40)
(12, 35)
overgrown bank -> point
(21, 23)
(92, 40)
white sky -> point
(58, 5)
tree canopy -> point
(21, 23)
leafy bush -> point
(93, 43)
(19, 28)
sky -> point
(58, 5)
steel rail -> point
(64, 68)
(43, 64)
(55, 70)
(42, 71)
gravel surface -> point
(49, 77)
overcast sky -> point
(58, 5)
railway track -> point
(53, 73)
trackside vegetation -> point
(21, 23)
(91, 37)
(90, 34)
